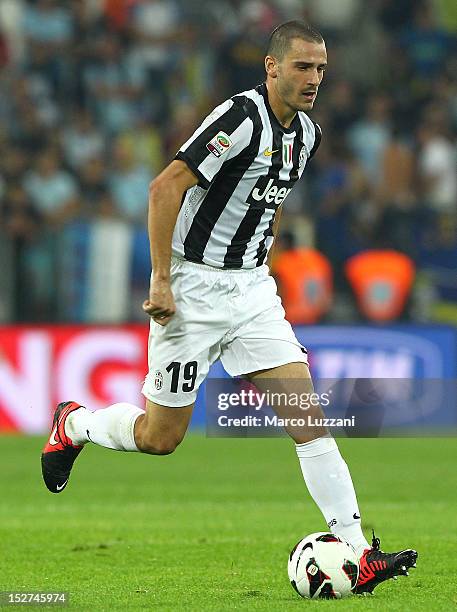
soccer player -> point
(213, 215)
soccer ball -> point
(323, 565)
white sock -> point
(112, 427)
(329, 482)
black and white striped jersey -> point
(246, 163)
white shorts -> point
(234, 315)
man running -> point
(213, 215)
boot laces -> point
(375, 542)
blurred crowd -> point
(98, 95)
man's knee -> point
(159, 445)
(161, 429)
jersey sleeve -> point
(223, 135)
(317, 139)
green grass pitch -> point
(210, 527)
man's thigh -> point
(286, 384)
(181, 352)
(264, 339)
(178, 364)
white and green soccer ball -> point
(323, 565)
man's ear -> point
(271, 66)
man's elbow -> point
(155, 186)
(172, 183)
(158, 190)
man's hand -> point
(161, 304)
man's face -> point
(300, 72)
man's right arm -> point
(223, 135)
(165, 197)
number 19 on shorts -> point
(184, 376)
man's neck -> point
(283, 113)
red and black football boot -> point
(377, 566)
(59, 452)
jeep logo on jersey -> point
(270, 192)
(219, 144)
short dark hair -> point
(281, 37)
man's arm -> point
(275, 230)
(165, 197)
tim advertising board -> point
(98, 366)
(381, 352)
